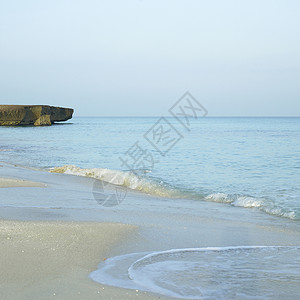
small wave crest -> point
(141, 181)
(127, 179)
(262, 204)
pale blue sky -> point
(137, 57)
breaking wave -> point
(262, 204)
(135, 181)
(140, 181)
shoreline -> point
(65, 234)
(53, 260)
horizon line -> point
(169, 116)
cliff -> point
(38, 115)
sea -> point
(247, 166)
(246, 162)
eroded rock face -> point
(38, 115)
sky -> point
(138, 57)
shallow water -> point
(208, 273)
(246, 162)
(201, 273)
(227, 182)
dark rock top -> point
(38, 115)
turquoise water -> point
(247, 162)
(225, 224)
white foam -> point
(251, 202)
(120, 178)
(216, 272)
(161, 189)
(246, 201)
(218, 197)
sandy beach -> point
(149, 150)
(52, 260)
(49, 245)
(13, 182)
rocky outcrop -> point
(38, 115)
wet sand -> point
(15, 182)
(62, 233)
(52, 260)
